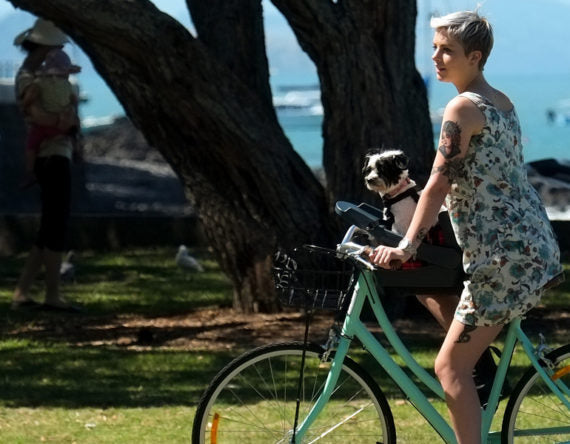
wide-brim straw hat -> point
(43, 32)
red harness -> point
(434, 237)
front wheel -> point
(253, 400)
(534, 414)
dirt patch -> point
(209, 329)
(224, 329)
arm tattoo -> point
(449, 149)
(465, 336)
(451, 169)
(450, 140)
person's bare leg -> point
(52, 263)
(442, 307)
(31, 269)
(461, 349)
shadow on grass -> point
(36, 376)
(41, 363)
(112, 331)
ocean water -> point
(532, 96)
(300, 112)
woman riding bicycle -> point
(510, 252)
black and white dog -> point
(386, 172)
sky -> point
(531, 37)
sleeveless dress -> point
(509, 248)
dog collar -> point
(402, 185)
(388, 215)
(410, 192)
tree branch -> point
(233, 32)
(214, 131)
(314, 22)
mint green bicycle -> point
(299, 392)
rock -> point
(118, 141)
(551, 178)
(126, 175)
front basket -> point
(313, 277)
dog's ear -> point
(401, 161)
(365, 163)
(367, 157)
(373, 151)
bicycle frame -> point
(353, 327)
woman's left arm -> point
(461, 120)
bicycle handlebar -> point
(367, 218)
(355, 251)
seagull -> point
(67, 269)
(187, 262)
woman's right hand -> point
(388, 257)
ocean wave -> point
(93, 122)
(299, 101)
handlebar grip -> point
(395, 264)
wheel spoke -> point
(534, 413)
(254, 399)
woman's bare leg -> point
(30, 271)
(461, 349)
(52, 263)
(442, 307)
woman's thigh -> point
(463, 346)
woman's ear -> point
(475, 56)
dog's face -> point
(383, 170)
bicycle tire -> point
(532, 405)
(245, 394)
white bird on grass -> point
(187, 262)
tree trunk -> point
(372, 94)
(250, 189)
(206, 104)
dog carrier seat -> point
(442, 272)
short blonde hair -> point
(470, 29)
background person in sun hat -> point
(52, 170)
(55, 93)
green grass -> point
(52, 390)
(55, 388)
(559, 297)
(143, 281)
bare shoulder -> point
(501, 101)
(461, 105)
(465, 113)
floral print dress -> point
(509, 248)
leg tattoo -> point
(464, 336)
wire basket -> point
(313, 277)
